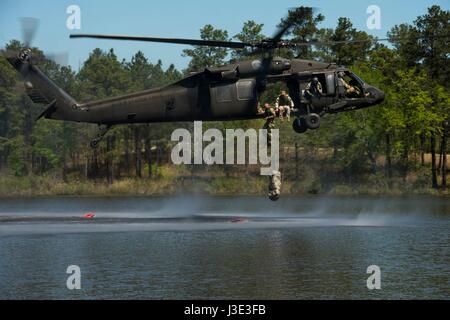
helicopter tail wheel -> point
(299, 125)
(103, 131)
(312, 121)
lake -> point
(313, 247)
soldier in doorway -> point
(284, 105)
(314, 89)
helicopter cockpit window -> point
(361, 81)
(245, 89)
(223, 93)
(350, 85)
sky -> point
(179, 18)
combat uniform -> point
(284, 104)
(269, 114)
(313, 90)
(275, 186)
(350, 90)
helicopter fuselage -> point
(229, 92)
(226, 93)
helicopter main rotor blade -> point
(268, 47)
(194, 42)
(29, 28)
(262, 46)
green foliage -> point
(346, 55)
(16, 161)
(251, 32)
(202, 57)
(304, 28)
(426, 43)
(102, 76)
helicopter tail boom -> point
(42, 90)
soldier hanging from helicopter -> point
(274, 186)
(270, 115)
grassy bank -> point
(11, 186)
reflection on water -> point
(242, 248)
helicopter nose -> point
(379, 95)
(376, 94)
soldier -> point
(259, 109)
(269, 115)
(284, 105)
(314, 88)
(275, 186)
(350, 91)
(275, 179)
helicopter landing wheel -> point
(312, 121)
(103, 131)
(299, 125)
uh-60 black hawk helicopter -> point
(229, 92)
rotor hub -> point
(24, 55)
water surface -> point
(230, 248)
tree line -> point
(404, 137)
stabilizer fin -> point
(48, 110)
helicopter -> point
(222, 93)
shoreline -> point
(45, 187)
(235, 196)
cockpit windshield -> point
(351, 84)
(361, 81)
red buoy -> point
(238, 220)
(89, 215)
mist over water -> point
(62, 215)
(225, 247)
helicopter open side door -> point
(329, 91)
